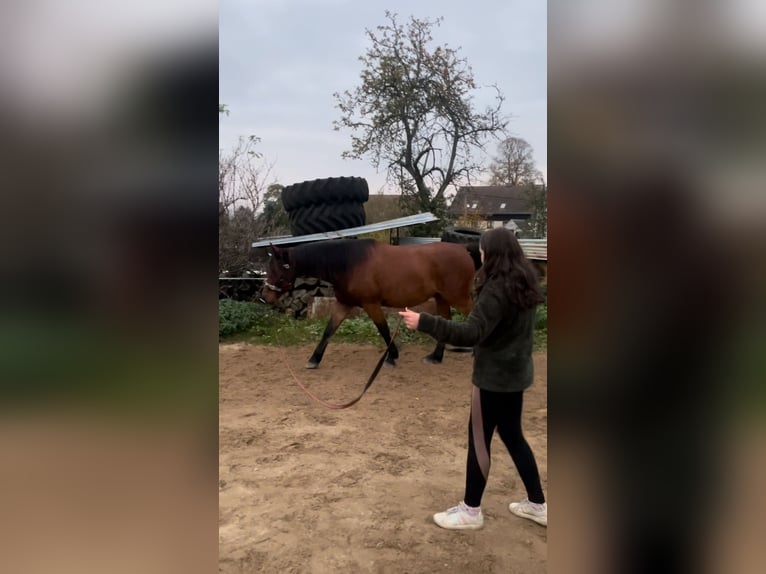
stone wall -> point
(304, 291)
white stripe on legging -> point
(477, 427)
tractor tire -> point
(460, 235)
(334, 190)
(326, 217)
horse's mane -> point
(330, 260)
(473, 250)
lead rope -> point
(366, 387)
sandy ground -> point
(305, 489)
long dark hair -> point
(504, 261)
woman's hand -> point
(411, 319)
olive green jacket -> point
(501, 334)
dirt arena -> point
(305, 489)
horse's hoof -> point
(429, 360)
(389, 364)
(312, 365)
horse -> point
(370, 274)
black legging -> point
(501, 411)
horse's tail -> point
(473, 250)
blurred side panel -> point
(657, 219)
(108, 340)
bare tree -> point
(243, 180)
(242, 175)
(514, 163)
(413, 112)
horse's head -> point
(280, 277)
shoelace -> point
(461, 508)
(533, 506)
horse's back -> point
(453, 257)
(399, 276)
(447, 267)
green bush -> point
(236, 316)
(261, 324)
(541, 328)
(541, 319)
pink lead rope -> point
(366, 387)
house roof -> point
(488, 200)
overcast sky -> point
(281, 61)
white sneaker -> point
(458, 518)
(530, 510)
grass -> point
(273, 328)
(259, 324)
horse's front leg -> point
(442, 309)
(378, 317)
(338, 313)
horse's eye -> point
(286, 266)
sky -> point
(280, 61)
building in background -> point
(488, 206)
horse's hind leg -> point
(443, 309)
(337, 314)
(379, 318)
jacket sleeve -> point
(481, 322)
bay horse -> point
(370, 274)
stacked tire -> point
(321, 205)
(461, 235)
(468, 236)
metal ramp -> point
(416, 219)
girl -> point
(500, 329)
